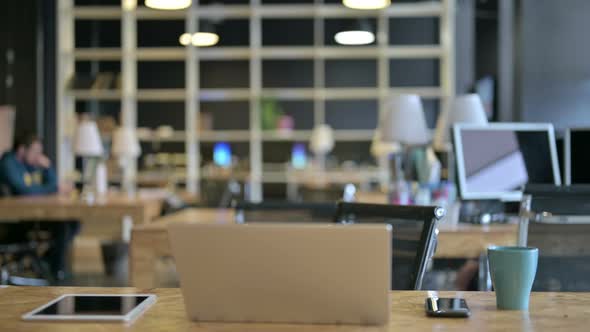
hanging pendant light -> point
(168, 4)
(205, 37)
(360, 33)
(366, 4)
(185, 39)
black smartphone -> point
(447, 307)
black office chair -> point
(557, 221)
(413, 236)
(20, 260)
(328, 193)
(283, 211)
(221, 193)
(560, 200)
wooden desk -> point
(64, 208)
(548, 312)
(469, 241)
(110, 218)
(150, 242)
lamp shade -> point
(205, 37)
(468, 109)
(168, 4)
(366, 4)
(322, 139)
(464, 109)
(125, 143)
(359, 33)
(404, 121)
(88, 142)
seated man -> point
(27, 171)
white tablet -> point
(93, 307)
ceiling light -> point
(354, 37)
(129, 4)
(206, 36)
(185, 39)
(204, 39)
(168, 4)
(201, 39)
(366, 4)
(359, 33)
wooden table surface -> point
(150, 242)
(548, 312)
(64, 208)
(469, 240)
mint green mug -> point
(513, 272)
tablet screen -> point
(80, 305)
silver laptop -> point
(289, 273)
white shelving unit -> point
(129, 13)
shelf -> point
(181, 94)
(105, 95)
(159, 95)
(419, 9)
(346, 93)
(177, 136)
(212, 95)
(267, 136)
(225, 135)
(350, 52)
(274, 176)
(206, 136)
(278, 136)
(305, 135)
(266, 53)
(224, 94)
(95, 53)
(354, 135)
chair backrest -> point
(283, 211)
(559, 225)
(413, 236)
(560, 200)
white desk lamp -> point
(322, 142)
(88, 145)
(403, 123)
(464, 109)
(126, 148)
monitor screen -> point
(496, 161)
(579, 162)
(222, 155)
